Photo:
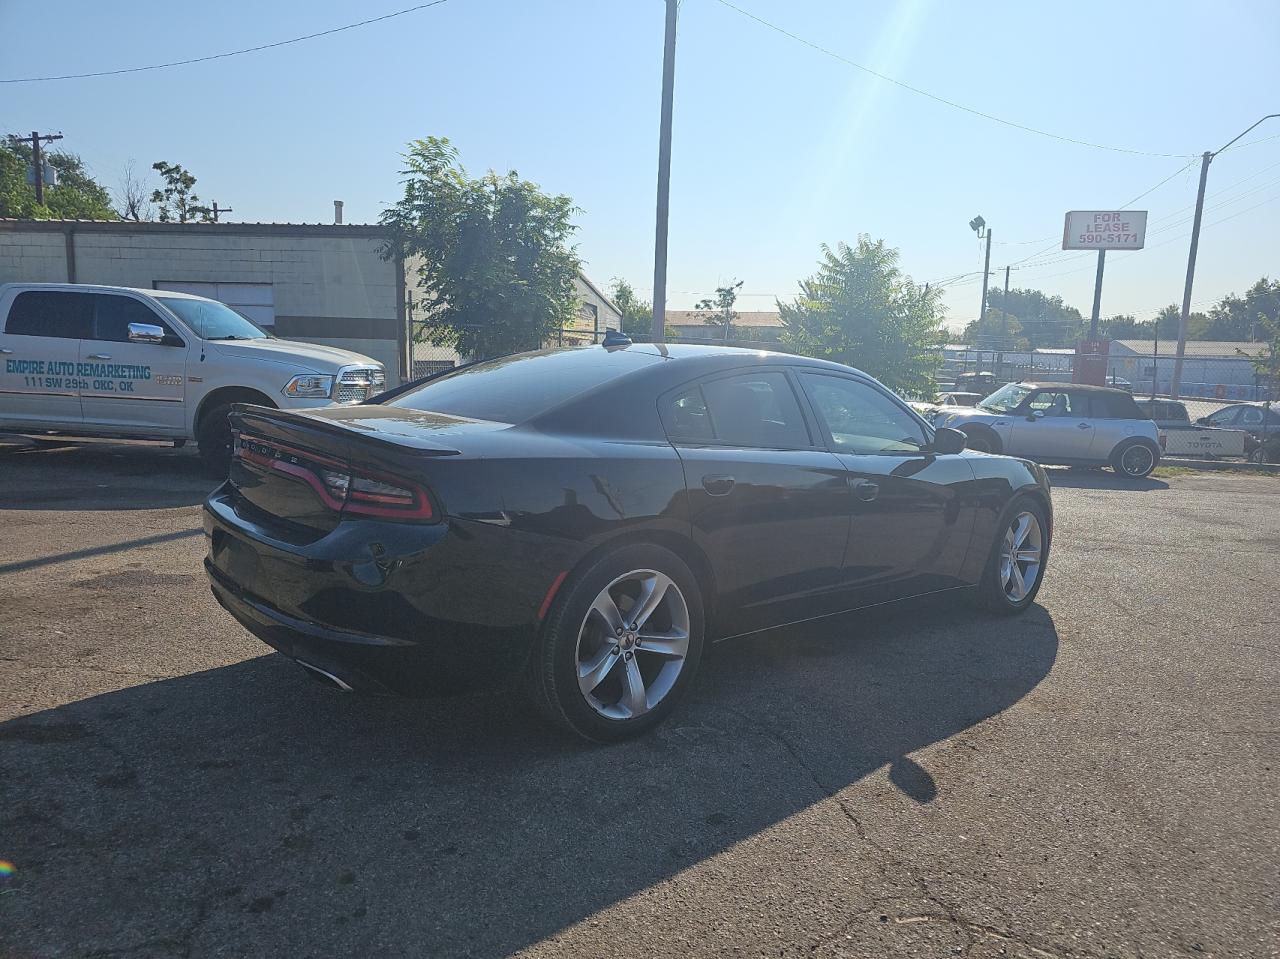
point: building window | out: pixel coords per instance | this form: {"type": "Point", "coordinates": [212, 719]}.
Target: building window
{"type": "Point", "coordinates": [256, 301]}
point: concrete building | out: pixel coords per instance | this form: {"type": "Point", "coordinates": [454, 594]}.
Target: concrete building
{"type": "Point", "coordinates": [1212, 369]}
{"type": "Point", "coordinates": [757, 326]}
{"type": "Point", "coordinates": [322, 283]}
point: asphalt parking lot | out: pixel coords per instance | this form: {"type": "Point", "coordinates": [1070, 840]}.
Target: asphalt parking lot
{"type": "Point", "coordinates": [1097, 778]}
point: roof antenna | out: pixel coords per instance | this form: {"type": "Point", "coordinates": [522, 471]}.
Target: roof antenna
{"type": "Point", "coordinates": [614, 339]}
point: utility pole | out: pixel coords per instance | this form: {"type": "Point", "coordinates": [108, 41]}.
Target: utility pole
{"type": "Point", "coordinates": [1097, 296]}
{"type": "Point", "coordinates": [37, 160]}
{"type": "Point", "coordinates": [986, 272]}
{"type": "Point", "coordinates": [1004, 312]}
{"type": "Point", "coordinates": [658, 331]}
{"type": "Point", "coordinates": [220, 209]}
{"type": "Point", "coordinates": [1175, 387]}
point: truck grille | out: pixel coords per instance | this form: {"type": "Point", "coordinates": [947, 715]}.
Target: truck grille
{"type": "Point", "coordinates": [359, 384]}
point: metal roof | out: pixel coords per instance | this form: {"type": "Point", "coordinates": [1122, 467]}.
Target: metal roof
{"type": "Point", "coordinates": [1215, 349]}
{"type": "Point", "coordinates": [756, 318]}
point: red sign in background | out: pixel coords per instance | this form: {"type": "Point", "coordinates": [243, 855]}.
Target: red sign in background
{"type": "Point", "coordinates": [1091, 362]}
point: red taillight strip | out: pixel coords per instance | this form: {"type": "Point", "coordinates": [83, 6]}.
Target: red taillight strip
{"type": "Point", "coordinates": [364, 504]}
{"type": "Point", "coordinates": [311, 479]}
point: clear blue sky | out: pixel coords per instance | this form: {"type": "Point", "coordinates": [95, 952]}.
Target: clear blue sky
{"type": "Point", "coordinates": [778, 148]}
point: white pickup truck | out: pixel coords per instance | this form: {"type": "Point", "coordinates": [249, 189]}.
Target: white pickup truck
{"type": "Point", "coordinates": [1180, 437]}
{"type": "Point", "coordinates": [148, 364]}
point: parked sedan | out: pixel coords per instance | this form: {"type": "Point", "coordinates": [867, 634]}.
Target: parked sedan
{"type": "Point", "coordinates": [1062, 423]}
{"type": "Point", "coordinates": [1260, 422]}
{"type": "Point", "coordinates": [584, 520]}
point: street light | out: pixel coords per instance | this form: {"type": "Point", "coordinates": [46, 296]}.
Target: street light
{"type": "Point", "coordinates": [1175, 386]}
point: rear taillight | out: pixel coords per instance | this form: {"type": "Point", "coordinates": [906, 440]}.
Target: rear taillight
{"type": "Point", "coordinates": [387, 497]}
{"type": "Point", "coordinates": [339, 487]}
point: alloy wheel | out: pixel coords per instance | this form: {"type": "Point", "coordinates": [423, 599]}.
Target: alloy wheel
{"type": "Point", "coordinates": [1137, 460]}
{"type": "Point", "coordinates": [632, 644]}
{"type": "Point", "coordinates": [1020, 557]}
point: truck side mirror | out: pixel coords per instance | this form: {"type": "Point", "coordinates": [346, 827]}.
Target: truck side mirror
{"type": "Point", "coordinates": [146, 333]}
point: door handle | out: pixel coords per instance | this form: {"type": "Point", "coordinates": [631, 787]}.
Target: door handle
{"type": "Point", "coordinates": [1084, 426]}
{"type": "Point", "coordinates": [98, 356]}
{"type": "Point", "coordinates": [718, 484]}
{"type": "Point", "coordinates": [866, 490]}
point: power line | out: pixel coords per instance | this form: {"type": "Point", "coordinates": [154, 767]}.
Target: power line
{"type": "Point", "coordinates": [933, 96]}
{"type": "Point", "coordinates": [1158, 185]}
{"type": "Point", "coordinates": [1054, 246]}
{"type": "Point", "coordinates": [231, 53]}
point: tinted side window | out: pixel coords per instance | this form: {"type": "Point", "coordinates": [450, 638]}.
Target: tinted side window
{"type": "Point", "coordinates": [1223, 417]}
{"type": "Point", "coordinates": [115, 313]}
{"type": "Point", "coordinates": [754, 409]}
{"type": "Point", "coordinates": [860, 418]}
{"type": "Point", "coordinates": [686, 419]}
{"type": "Point", "coordinates": [1250, 416]}
{"type": "Point", "coordinates": [51, 313]}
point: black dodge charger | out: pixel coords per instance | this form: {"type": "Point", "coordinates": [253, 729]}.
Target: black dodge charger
{"type": "Point", "coordinates": [583, 521]}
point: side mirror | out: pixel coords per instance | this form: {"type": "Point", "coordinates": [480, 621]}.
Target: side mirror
{"type": "Point", "coordinates": [146, 333]}
{"type": "Point", "coordinates": [1035, 415]}
{"type": "Point", "coordinates": [947, 440]}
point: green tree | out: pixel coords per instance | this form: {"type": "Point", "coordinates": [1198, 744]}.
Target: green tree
{"type": "Point", "coordinates": [492, 253]}
{"type": "Point", "coordinates": [1124, 326]}
{"type": "Point", "coordinates": [1167, 320]}
{"type": "Point", "coordinates": [1045, 321]}
{"type": "Point", "coordinates": [1243, 317]}
{"type": "Point", "coordinates": [860, 309]}
{"type": "Point", "coordinates": [177, 200]}
{"type": "Point", "coordinates": [77, 196]}
{"type": "Point", "coordinates": [996, 330]}
{"type": "Point", "coordinates": [718, 310]}
{"type": "Point", "coordinates": [637, 314]}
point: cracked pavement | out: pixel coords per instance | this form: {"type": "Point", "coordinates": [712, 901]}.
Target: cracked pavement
{"type": "Point", "coordinates": [1097, 778]}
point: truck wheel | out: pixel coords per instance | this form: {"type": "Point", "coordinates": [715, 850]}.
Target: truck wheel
{"type": "Point", "coordinates": [1135, 459]}
{"type": "Point", "coordinates": [214, 438]}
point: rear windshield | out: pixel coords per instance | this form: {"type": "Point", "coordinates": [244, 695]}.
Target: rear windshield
{"type": "Point", "coordinates": [514, 389]}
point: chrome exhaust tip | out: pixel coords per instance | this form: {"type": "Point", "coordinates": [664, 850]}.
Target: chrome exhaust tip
{"type": "Point", "coordinates": [324, 677]}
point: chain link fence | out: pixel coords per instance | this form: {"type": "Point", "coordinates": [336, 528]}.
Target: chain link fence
{"type": "Point", "coordinates": [1224, 386]}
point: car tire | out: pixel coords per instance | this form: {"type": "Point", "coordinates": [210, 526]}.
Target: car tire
{"type": "Point", "coordinates": [1000, 591]}
{"type": "Point", "coordinates": [213, 436]}
{"type": "Point", "coordinates": [981, 441]}
{"type": "Point", "coordinates": [583, 675]}
{"type": "Point", "coordinates": [1135, 459]}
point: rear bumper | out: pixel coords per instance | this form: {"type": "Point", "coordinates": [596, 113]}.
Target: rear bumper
{"type": "Point", "coordinates": [362, 664]}
{"type": "Point", "coordinates": [394, 625]}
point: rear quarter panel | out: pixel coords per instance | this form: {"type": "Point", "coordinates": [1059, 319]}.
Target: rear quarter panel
{"type": "Point", "coordinates": [529, 506]}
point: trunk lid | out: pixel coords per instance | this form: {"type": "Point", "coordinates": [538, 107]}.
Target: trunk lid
{"type": "Point", "coordinates": [294, 469]}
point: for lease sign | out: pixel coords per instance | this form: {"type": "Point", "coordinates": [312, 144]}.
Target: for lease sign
{"type": "Point", "coordinates": [1105, 230]}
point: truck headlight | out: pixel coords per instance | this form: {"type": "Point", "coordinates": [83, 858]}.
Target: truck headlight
{"type": "Point", "coordinates": [309, 384]}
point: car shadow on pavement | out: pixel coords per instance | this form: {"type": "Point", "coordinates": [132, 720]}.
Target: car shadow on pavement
{"type": "Point", "coordinates": [1062, 478]}
{"type": "Point", "coordinates": [243, 810]}
{"type": "Point", "coordinates": [56, 474]}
